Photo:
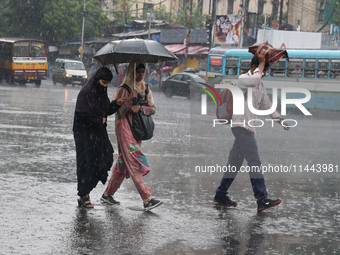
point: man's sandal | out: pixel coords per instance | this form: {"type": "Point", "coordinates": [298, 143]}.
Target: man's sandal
{"type": "Point", "coordinates": [85, 202]}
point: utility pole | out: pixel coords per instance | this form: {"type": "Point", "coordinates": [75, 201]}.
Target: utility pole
{"type": "Point", "coordinates": [126, 10]}
{"type": "Point", "coordinates": [150, 17]}
{"type": "Point", "coordinates": [149, 24]}
{"type": "Point", "coordinates": [213, 27]}
{"type": "Point", "coordinates": [188, 36]}
{"type": "Point", "coordinates": [100, 30]}
{"type": "Point", "coordinates": [82, 31]}
{"type": "Point", "coordinates": [240, 43]}
{"type": "Point", "coordinates": [281, 11]}
{"type": "Point", "coordinates": [264, 27]}
{"type": "Point", "coordinates": [287, 12]}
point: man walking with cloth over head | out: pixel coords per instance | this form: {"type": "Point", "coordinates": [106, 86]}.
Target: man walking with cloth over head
{"type": "Point", "coordinates": [245, 146]}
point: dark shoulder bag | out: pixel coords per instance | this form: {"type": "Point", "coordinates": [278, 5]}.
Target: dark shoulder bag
{"type": "Point", "coordinates": [142, 126]}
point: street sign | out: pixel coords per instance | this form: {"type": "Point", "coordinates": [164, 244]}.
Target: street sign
{"type": "Point", "coordinates": [81, 51]}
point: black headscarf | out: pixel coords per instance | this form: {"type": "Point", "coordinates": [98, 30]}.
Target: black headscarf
{"type": "Point", "coordinates": [93, 98]}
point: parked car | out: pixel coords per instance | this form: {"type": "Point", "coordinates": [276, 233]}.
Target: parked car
{"type": "Point", "coordinates": [180, 85]}
{"type": "Point", "coordinates": [68, 71]}
{"type": "Point", "coordinates": [191, 70]}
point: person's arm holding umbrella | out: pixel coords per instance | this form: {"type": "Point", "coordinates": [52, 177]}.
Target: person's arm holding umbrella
{"type": "Point", "coordinates": [127, 105]}
{"type": "Point", "coordinates": [146, 110]}
{"type": "Point", "coordinates": [151, 108]}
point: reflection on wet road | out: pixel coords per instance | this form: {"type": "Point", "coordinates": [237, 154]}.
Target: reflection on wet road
{"type": "Point", "coordinates": [38, 184]}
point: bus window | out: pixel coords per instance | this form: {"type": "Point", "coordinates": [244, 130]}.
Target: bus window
{"type": "Point", "coordinates": [278, 68]}
{"type": "Point", "coordinates": [217, 52]}
{"type": "Point", "coordinates": [215, 64]}
{"type": "Point", "coordinates": [21, 49]}
{"type": "Point", "coordinates": [245, 66]}
{"type": "Point", "coordinates": [335, 68]}
{"type": "Point", "coordinates": [38, 49]}
{"type": "Point", "coordinates": [310, 68]}
{"type": "Point", "coordinates": [323, 68]}
{"type": "Point", "coordinates": [295, 67]}
{"type": "Point", "coordinates": [231, 66]}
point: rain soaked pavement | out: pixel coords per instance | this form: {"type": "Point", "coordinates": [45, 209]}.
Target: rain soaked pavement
{"type": "Point", "coordinates": [38, 184]}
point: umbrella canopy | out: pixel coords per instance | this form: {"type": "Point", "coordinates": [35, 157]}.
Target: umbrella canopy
{"type": "Point", "coordinates": [167, 68]}
{"type": "Point", "coordinates": [125, 51]}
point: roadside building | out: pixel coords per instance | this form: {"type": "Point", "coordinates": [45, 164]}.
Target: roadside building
{"type": "Point", "coordinates": [309, 15]}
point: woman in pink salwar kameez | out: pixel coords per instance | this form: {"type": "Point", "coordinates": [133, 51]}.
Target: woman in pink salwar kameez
{"type": "Point", "coordinates": [131, 161]}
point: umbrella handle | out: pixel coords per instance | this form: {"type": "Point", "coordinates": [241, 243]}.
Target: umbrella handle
{"type": "Point", "coordinates": [116, 68]}
{"type": "Point", "coordinates": [134, 76]}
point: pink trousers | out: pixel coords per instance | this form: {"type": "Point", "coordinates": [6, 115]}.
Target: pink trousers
{"type": "Point", "coordinates": [137, 177]}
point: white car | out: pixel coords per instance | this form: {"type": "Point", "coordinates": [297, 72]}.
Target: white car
{"type": "Point", "coordinates": [68, 71]}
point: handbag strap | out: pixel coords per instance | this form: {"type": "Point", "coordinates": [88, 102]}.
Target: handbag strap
{"type": "Point", "coordinates": [129, 90]}
{"type": "Point", "coordinates": [126, 87]}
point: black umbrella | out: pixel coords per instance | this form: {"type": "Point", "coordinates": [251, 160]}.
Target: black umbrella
{"type": "Point", "coordinates": [125, 51]}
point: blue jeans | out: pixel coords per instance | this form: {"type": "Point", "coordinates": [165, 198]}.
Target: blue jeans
{"type": "Point", "coordinates": [245, 147]}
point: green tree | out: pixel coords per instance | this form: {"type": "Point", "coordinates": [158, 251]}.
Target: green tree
{"type": "Point", "coordinates": [197, 19]}
{"type": "Point", "coordinates": [271, 18]}
{"type": "Point", "coordinates": [336, 14]}
{"type": "Point", "coordinates": [21, 18]}
{"type": "Point", "coordinates": [54, 21]}
{"type": "Point", "coordinates": [123, 14]}
{"type": "Point", "coordinates": [95, 18]}
{"type": "Point", "coordinates": [62, 21]}
{"type": "Point", "coordinates": [161, 13]}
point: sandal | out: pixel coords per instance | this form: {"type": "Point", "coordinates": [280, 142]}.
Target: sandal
{"type": "Point", "coordinates": [85, 202]}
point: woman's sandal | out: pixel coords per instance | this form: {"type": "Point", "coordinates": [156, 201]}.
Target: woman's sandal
{"type": "Point", "coordinates": [85, 202]}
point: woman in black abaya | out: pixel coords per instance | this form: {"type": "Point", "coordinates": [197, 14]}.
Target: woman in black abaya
{"type": "Point", "coordinates": [93, 147]}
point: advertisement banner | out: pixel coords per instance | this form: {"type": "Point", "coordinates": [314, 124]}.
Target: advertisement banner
{"type": "Point", "coordinates": [227, 29]}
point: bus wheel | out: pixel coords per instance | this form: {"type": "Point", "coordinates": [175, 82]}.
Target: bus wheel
{"type": "Point", "coordinates": [64, 83]}
{"type": "Point", "coordinates": [38, 83]}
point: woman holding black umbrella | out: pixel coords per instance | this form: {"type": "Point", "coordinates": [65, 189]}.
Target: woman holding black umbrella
{"type": "Point", "coordinates": [93, 148]}
{"type": "Point", "coordinates": [131, 161]}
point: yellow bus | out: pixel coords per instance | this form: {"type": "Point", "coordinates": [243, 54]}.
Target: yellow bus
{"type": "Point", "coordinates": [23, 60]}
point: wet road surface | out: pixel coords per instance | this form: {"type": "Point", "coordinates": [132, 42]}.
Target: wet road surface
{"type": "Point", "coordinates": [38, 184]}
